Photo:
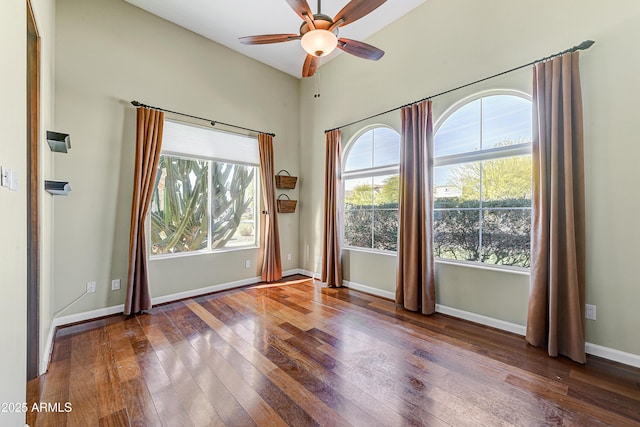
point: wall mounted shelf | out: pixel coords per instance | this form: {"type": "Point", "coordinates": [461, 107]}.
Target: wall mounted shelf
{"type": "Point", "coordinates": [57, 188]}
{"type": "Point", "coordinates": [59, 142]}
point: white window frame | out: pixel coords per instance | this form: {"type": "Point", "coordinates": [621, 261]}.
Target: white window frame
{"type": "Point", "coordinates": [365, 173]}
{"type": "Point", "coordinates": [522, 149]}
{"type": "Point", "coordinates": [257, 198]}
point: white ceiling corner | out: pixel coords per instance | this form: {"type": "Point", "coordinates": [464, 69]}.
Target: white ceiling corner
{"type": "Point", "coordinates": [224, 21]}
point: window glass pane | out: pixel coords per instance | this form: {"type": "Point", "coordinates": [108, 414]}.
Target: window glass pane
{"type": "Point", "coordinates": [371, 202]}
{"type": "Point", "coordinates": [179, 206]}
{"type": "Point", "coordinates": [358, 193]}
{"type": "Point", "coordinates": [506, 182]}
{"type": "Point", "coordinates": [386, 191]}
{"type": "Point", "coordinates": [232, 205]}
{"type": "Point", "coordinates": [506, 235]}
{"type": "Point", "coordinates": [386, 147]}
{"type": "Point", "coordinates": [457, 186]}
{"type": "Point", "coordinates": [482, 209]}
{"type": "Point", "coordinates": [357, 228]}
{"type": "Point", "coordinates": [360, 155]}
{"type": "Point", "coordinates": [506, 120]}
{"type": "Point", "coordinates": [456, 234]}
{"type": "Point", "coordinates": [385, 229]}
{"type": "Point", "coordinates": [460, 133]}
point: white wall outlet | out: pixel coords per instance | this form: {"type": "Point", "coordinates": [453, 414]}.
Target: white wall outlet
{"type": "Point", "coordinates": [91, 287]}
{"type": "Point", "coordinates": [247, 263]}
{"type": "Point", "coordinates": [288, 257]}
{"type": "Point", "coordinates": [590, 311]}
{"type": "Point", "coordinates": [115, 284]}
{"type": "Point", "coordinates": [5, 177]}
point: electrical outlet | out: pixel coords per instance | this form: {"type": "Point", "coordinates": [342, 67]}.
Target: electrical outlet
{"type": "Point", "coordinates": [115, 284]}
{"type": "Point", "coordinates": [590, 311]}
{"type": "Point", "coordinates": [247, 263]}
{"type": "Point", "coordinates": [289, 257]}
{"type": "Point", "coordinates": [91, 287]}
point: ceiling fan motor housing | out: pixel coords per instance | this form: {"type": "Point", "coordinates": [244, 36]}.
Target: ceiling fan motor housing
{"type": "Point", "coordinates": [321, 21]}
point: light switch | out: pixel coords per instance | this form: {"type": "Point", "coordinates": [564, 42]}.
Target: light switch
{"type": "Point", "coordinates": [5, 179]}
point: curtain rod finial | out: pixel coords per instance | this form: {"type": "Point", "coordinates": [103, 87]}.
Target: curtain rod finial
{"type": "Point", "coordinates": [585, 45]}
{"type": "Point", "coordinates": [135, 103]}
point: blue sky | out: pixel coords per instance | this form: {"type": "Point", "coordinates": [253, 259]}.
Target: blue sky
{"type": "Point", "coordinates": [480, 124]}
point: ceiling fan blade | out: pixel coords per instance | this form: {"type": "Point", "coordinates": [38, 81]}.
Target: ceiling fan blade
{"type": "Point", "coordinates": [310, 66]}
{"type": "Point", "coordinates": [356, 9]}
{"type": "Point", "coordinates": [360, 49]}
{"type": "Point", "coordinates": [300, 7]}
{"type": "Point", "coordinates": [269, 38]}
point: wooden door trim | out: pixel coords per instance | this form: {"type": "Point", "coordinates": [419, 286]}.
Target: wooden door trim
{"type": "Point", "coordinates": [33, 194]}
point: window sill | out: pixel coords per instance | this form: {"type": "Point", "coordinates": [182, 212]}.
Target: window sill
{"type": "Point", "coordinates": [200, 253]}
{"type": "Point", "coordinates": [471, 264]}
{"type": "Point", "coordinates": [468, 264]}
{"type": "Point", "coordinates": [371, 251]}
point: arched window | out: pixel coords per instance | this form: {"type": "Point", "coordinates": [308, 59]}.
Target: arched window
{"type": "Point", "coordinates": [483, 181]}
{"type": "Point", "coordinates": [370, 177]}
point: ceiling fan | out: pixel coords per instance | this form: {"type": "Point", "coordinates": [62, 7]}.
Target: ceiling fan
{"type": "Point", "coordinates": [319, 33]}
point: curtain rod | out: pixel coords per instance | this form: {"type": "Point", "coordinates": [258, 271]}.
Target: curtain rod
{"type": "Point", "coordinates": [582, 46]}
{"type": "Point", "coordinates": [212, 122]}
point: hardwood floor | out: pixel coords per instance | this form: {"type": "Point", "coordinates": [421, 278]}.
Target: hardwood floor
{"type": "Point", "coordinates": [297, 354]}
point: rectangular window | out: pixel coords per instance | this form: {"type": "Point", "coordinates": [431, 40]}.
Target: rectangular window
{"type": "Point", "coordinates": [206, 192]}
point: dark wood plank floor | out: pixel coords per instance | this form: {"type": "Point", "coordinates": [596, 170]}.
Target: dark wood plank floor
{"type": "Point", "coordinates": [297, 354]}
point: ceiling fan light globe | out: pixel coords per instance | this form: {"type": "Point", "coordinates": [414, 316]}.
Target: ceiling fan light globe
{"type": "Point", "coordinates": [319, 42]}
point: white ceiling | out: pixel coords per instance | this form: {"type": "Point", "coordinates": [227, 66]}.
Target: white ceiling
{"type": "Point", "coordinates": [224, 21]}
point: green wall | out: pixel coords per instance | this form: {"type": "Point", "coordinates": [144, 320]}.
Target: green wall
{"type": "Point", "coordinates": [108, 53]}
{"type": "Point", "coordinates": [444, 44]}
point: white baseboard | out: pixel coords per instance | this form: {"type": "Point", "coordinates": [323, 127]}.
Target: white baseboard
{"type": "Point", "coordinates": [461, 314]}
{"type": "Point", "coordinates": [108, 311]}
{"type": "Point", "coordinates": [203, 291]}
{"type": "Point", "coordinates": [483, 320]}
{"type": "Point", "coordinates": [370, 290]}
{"type": "Point", "coordinates": [613, 354]}
{"type": "Point", "coordinates": [593, 349]}
{"type": "Point", "coordinates": [46, 354]}
{"type": "Point", "coordinates": [67, 320]}
{"type": "Point", "coordinates": [313, 275]}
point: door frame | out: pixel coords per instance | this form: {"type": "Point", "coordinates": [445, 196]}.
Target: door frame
{"type": "Point", "coordinates": [33, 194]}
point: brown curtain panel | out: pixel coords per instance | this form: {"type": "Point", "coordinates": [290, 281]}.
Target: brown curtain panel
{"type": "Point", "coordinates": [415, 281]}
{"type": "Point", "coordinates": [148, 143]}
{"type": "Point", "coordinates": [557, 292]}
{"type": "Point", "coordinates": [271, 262]}
{"type": "Point", "coordinates": [331, 244]}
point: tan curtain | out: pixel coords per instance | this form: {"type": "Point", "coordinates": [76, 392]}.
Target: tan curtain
{"type": "Point", "coordinates": [331, 244]}
{"type": "Point", "coordinates": [271, 262]}
{"type": "Point", "coordinates": [557, 292]}
{"type": "Point", "coordinates": [415, 281]}
{"type": "Point", "coordinates": [148, 143]}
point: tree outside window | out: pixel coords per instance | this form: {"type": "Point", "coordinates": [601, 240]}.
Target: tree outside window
{"type": "Point", "coordinates": [200, 203]}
